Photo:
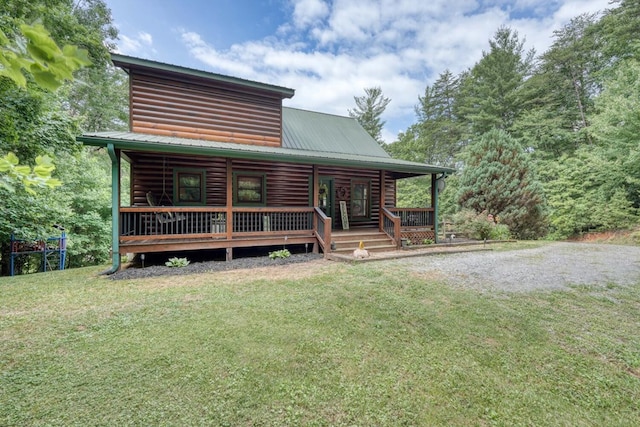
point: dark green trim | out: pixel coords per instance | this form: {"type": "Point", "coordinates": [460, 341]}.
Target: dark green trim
{"type": "Point", "coordinates": [127, 62]}
{"type": "Point", "coordinates": [163, 147]}
{"type": "Point", "coordinates": [203, 186]}
{"type": "Point", "coordinates": [262, 175]}
{"type": "Point", "coordinates": [115, 210]}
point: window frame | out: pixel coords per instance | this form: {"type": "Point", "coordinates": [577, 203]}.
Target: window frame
{"type": "Point", "coordinates": [366, 214]}
{"type": "Point", "coordinates": [262, 176]}
{"type": "Point", "coordinates": [202, 174]}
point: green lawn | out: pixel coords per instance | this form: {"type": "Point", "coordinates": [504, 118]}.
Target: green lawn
{"type": "Point", "coordinates": [335, 344]}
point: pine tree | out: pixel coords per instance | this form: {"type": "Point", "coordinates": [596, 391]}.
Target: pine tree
{"type": "Point", "coordinates": [491, 91]}
{"type": "Point", "coordinates": [368, 111]}
{"type": "Point", "coordinates": [497, 179]}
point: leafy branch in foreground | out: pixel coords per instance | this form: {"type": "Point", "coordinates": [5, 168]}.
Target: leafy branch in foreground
{"type": "Point", "coordinates": [11, 173]}
{"type": "Point", "coordinates": [49, 65]}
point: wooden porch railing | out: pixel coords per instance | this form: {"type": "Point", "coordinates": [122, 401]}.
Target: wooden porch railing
{"type": "Point", "coordinates": [142, 223]}
{"type": "Point", "coordinates": [391, 225]}
{"type": "Point", "coordinates": [322, 225]}
{"type": "Point", "coordinates": [414, 217]}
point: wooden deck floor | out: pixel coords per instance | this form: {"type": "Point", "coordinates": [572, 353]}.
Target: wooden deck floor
{"type": "Point", "coordinates": [170, 245]}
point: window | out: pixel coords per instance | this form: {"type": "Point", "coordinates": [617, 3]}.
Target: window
{"type": "Point", "coordinates": [249, 189]}
{"type": "Point", "coordinates": [189, 187]}
{"type": "Point", "coordinates": [360, 199]}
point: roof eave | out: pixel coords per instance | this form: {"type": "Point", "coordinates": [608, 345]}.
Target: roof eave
{"type": "Point", "coordinates": [126, 62]}
{"type": "Point", "coordinates": [149, 146]}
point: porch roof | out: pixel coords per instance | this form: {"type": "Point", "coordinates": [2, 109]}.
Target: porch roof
{"type": "Point", "coordinates": [167, 144]}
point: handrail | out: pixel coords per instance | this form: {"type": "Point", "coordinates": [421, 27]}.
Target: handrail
{"type": "Point", "coordinates": [391, 225]}
{"type": "Point", "coordinates": [322, 227]}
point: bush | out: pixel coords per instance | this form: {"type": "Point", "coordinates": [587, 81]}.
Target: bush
{"type": "Point", "coordinates": [282, 253]}
{"type": "Point", "coordinates": [177, 262]}
{"type": "Point", "coordinates": [480, 226]}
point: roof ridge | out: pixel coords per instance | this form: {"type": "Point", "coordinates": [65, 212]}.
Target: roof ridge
{"type": "Point", "coordinates": [318, 112]}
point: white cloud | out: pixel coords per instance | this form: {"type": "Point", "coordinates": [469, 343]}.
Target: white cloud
{"type": "Point", "coordinates": [136, 44]}
{"type": "Point", "coordinates": [306, 12]}
{"type": "Point", "coordinates": [330, 51]}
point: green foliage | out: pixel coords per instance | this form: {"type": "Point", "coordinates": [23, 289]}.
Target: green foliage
{"type": "Point", "coordinates": [49, 65]}
{"type": "Point", "coordinates": [177, 262]}
{"type": "Point", "coordinates": [492, 90]}
{"type": "Point", "coordinates": [368, 111]}
{"type": "Point", "coordinates": [437, 137]}
{"type": "Point", "coordinates": [480, 226]}
{"type": "Point", "coordinates": [36, 122]}
{"type": "Point", "coordinates": [86, 195]}
{"type": "Point", "coordinates": [413, 192]}
{"type": "Point", "coordinates": [427, 242]}
{"type": "Point", "coordinates": [11, 172]}
{"type": "Point", "coordinates": [559, 99]}
{"type": "Point", "coordinates": [497, 179]}
{"type": "Point", "coordinates": [616, 126]}
{"type": "Point", "coordinates": [282, 253]}
{"type": "Point", "coordinates": [448, 199]}
{"type": "Point", "coordinates": [585, 192]}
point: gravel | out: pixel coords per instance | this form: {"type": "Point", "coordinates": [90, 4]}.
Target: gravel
{"type": "Point", "coordinates": [210, 266]}
{"type": "Point", "coordinates": [555, 266]}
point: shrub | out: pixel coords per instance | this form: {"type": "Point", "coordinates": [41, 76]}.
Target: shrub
{"type": "Point", "coordinates": [480, 226]}
{"type": "Point", "coordinates": [177, 262]}
{"type": "Point", "coordinates": [282, 253]}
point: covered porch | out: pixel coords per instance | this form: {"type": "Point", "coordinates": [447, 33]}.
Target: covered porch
{"type": "Point", "coordinates": [165, 229]}
{"type": "Point", "coordinates": [185, 195]}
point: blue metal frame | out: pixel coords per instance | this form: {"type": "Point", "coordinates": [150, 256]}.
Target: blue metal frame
{"type": "Point", "coordinates": [45, 247]}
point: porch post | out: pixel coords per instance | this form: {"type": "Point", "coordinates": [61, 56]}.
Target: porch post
{"type": "Point", "coordinates": [383, 197]}
{"type": "Point", "coordinates": [316, 187]}
{"type": "Point", "coordinates": [434, 203]}
{"type": "Point", "coordinates": [229, 208]}
{"type": "Point", "coordinates": [115, 211]}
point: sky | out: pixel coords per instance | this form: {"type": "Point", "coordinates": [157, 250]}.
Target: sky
{"type": "Point", "coordinates": [331, 50]}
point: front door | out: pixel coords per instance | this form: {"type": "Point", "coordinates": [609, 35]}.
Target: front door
{"type": "Point", "coordinates": [326, 197]}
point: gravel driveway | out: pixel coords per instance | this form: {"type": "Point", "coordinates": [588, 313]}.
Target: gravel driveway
{"type": "Point", "coordinates": [552, 266]}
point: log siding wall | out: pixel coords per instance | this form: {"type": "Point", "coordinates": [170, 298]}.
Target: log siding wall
{"type": "Point", "coordinates": [161, 106]}
{"type": "Point", "coordinates": [287, 183]}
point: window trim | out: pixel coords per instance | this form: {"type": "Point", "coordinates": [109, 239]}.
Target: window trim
{"type": "Point", "coordinates": [263, 190]}
{"type": "Point", "coordinates": [203, 186]}
{"type": "Point", "coordinates": [366, 216]}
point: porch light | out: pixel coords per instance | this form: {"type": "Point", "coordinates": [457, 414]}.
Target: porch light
{"type": "Point", "coordinates": [441, 184]}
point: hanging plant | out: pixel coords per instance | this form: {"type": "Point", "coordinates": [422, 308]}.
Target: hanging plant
{"type": "Point", "coordinates": [323, 190]}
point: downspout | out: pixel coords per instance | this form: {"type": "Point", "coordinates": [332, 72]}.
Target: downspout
{"type": "Point", "coordinates": [115, 217]}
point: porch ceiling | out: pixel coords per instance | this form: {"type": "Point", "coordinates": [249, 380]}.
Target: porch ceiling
{"type": "Point", "coordinates": [165, 144]}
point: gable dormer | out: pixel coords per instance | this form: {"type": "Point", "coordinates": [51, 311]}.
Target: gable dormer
{"type": "Point", "coordinates": [169, 100]}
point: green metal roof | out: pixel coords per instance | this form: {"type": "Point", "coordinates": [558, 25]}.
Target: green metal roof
{"type": "Point", "coordinates": [309, 130]}
{"type": "Point", "coordinates": [127, 62]}
{"type": "Point", "coordinates": [167, 144]}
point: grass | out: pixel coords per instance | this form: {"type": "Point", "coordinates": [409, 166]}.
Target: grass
{"type": "Point", "coordinates": [334, 344]}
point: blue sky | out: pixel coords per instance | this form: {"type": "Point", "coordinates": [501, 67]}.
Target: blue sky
{"type": "Point", "coordinates": [329, 51]}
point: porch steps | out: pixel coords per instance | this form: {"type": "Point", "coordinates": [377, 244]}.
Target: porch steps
{"type": "Point", "coordinates": [374, 241]}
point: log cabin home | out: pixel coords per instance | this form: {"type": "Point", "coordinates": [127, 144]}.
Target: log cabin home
{"type": "Point", "coordinates": [217, 162]}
